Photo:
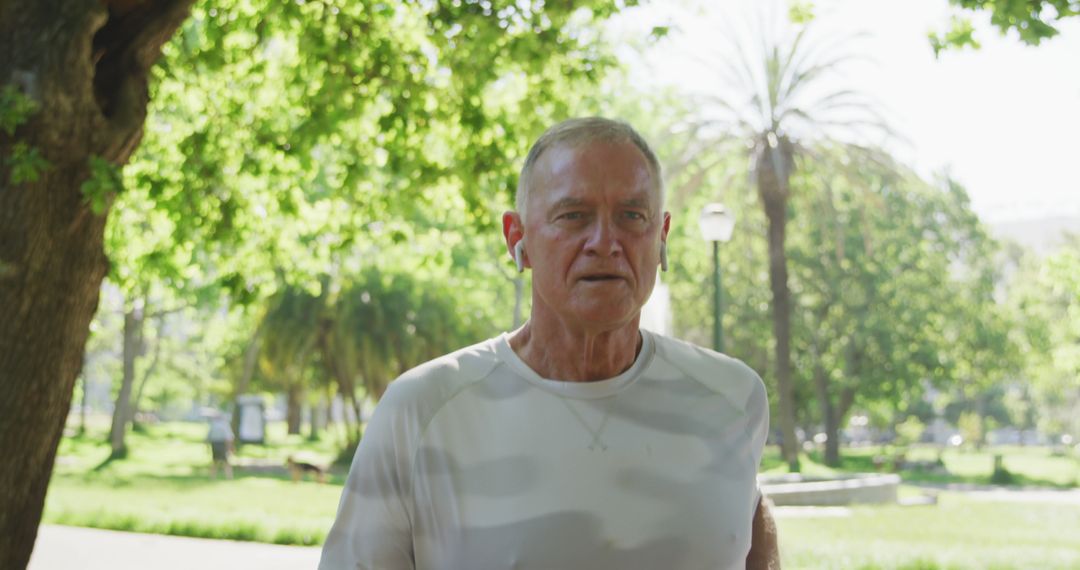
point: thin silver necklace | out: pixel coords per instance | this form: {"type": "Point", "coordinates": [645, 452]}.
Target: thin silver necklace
{"type": "Point", "coordinates": [596, 444]}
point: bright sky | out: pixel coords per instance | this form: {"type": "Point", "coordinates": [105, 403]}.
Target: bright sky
{"type": "Point", "coordinates": [1004, 120]}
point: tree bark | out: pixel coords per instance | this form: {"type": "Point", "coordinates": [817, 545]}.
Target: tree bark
{"type": "Point", "coordinates": [85, 64]}
{"type": "Point", "coordinates": [980, 410]}
{"type": "Point", "coordinates": [136, 404]}
{"type": "Point", "coordinates": [84, 405]}
{"type": "Point", "coordinates": [315, 420]}
{"type": "Point", "coordinates": [772, 168]}
{"type": "Point", "coordinates": [328, 400]}
{"type": "Point", "coordinates": [847, 398]}
{"type": "Point", "coordinates": [340, 369]}
{"type": "Point", "coordinates": [132, 348]}
{"type": "Point", "coordinates": [828, 414]}
{"type": "Point", "coordinates": [293, 408]}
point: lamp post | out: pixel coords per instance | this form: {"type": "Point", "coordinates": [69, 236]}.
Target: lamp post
{"type": "Point", "coordinates": [716, 226]}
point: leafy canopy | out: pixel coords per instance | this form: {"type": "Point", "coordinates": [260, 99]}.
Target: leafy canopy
{"type": "Point", "coordinates": [1032, 20]}
{"type": "Point", "coordinates": [285, 138]}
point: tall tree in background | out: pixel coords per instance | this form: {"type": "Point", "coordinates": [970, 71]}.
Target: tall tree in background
{"type": "Point", "coordinates": [981, 333]}
{"type": "Point", "coordinates": [779, 109]}
{"type": "Point", "coordinates": [134, 345]}
{"type": "Point", "coordinates": [875, 266]}
{"type": "Point", "coordinates": [364, 86]}
{"type": "Point", "coordinates": [1045, 297]}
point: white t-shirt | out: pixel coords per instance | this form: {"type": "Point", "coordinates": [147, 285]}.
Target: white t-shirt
{"type": "Point", "coordinates": [474, 462]}
{"type": "Point", "coordinates": [220, 432]}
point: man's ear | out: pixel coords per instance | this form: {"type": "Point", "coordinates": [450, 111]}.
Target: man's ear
{"type": "Point", "coordinates": [513, 232]}
{"type": "Point", "coordinates": [667, 226]}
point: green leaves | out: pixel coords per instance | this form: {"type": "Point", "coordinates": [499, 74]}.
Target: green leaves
{"type": "Point", "coordinates": [309, 152]}
{"type": "Point", "coordinates": [26, 163]}
{"type": "Point", "coordinates": [961, 34]}
{"type": "Point", "coordinates": [1032, 20]}
{"type": "Point", "coordinates": [366, 331]}
{"type": "Point", "coordinates": [279, 135]}
{"type": "Point", "coordinates": [15, 109]}
{"type": "Point", "coordinates": [103, 184]}
{"type": "Point", "coordinates": [1044, 294]}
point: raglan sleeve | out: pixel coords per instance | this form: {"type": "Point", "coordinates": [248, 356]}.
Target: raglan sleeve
{"type": "Point", "coordinates": [373, 527]}
{"type": "Point", "coordinates": [757, 408]}
{"type": "Point", "coordinates": [759, 414]}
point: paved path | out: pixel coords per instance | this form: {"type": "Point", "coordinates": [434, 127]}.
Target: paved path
{"type": "Point", "coordinates": [1015, 494]}
{"type": "Point", "coordinates": [977, 492]}
{"type": "Point", "coordinates": [71, 548]}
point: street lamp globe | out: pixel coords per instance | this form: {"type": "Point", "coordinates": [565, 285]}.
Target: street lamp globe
{"type": "Point", "coordinates": [717, 224]}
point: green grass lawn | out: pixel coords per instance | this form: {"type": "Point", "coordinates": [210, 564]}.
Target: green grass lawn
{"type": "Point", "coordinates": [957, 533]}
{"type": "Point", "coordinates": [164, 487]}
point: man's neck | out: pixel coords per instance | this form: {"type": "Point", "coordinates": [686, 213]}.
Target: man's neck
{"type": "Point", "coordinates": [558, 352]}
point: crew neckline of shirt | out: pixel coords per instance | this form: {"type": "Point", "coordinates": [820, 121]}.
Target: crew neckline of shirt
{"type": "Point", "coordinates": [580, 390]}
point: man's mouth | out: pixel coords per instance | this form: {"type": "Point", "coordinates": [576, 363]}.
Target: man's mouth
{"type": "Point", "coordinates": [600, 277]}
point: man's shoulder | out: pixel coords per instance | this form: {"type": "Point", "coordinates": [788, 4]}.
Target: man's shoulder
{"type": "Point", "coordinates": [439, 379]}
{"type": "Point", "coordinates": [718, 372]}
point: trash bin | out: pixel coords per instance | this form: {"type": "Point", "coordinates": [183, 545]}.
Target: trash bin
{"type": "Point", "coordinates": [252, 424]}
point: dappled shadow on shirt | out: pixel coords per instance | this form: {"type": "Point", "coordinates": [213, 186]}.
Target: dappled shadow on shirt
{"type": "Point", "coordinates": [566, 539]}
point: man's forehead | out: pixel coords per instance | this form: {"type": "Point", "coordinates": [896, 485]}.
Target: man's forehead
{"type": "Point", "coordinates": [641, 201]}
{"type": "Point", "coordinates": [566, 173]}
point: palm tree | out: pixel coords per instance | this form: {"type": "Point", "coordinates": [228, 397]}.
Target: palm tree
{"type": "Point", "coordinates": [288, 339]}
{"type": "Point", "coordinates": [382, 324]}
{"type": "Point", "coordinates": [777, 106]}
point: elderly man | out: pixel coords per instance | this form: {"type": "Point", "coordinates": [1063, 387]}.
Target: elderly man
{"type": "Point", "coordinates": [579, 440]}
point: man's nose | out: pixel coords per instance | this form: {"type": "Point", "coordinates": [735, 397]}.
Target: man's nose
{"type": "Point", "coordinates": [603, 238]}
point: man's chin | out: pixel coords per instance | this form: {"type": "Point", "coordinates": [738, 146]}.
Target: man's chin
{"type": "Point", "coordinates": [608, 317]}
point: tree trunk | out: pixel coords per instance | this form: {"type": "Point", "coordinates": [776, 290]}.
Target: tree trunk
{"type": "Point", "coordinates": [328, 400]}
{"type": "Point", "coordinates": [314, 421]}
{"type": "Point", "coordinates": [772, 190]}
{"type": "Point", "coordinates": [132, 347]}
{"type": "Point", "coordinates": [980, 411]}
{"type": "Point", "coordinates": [828, 414]}
{"type": "Point", "coordinates": [83, 406]}
{"type": "Point", "coordinates": [344, 377]}
{"type": "Point", "coordinates": [85, 67]}
{"type": "Point", "coordinates": [839, 413]}
{"type": "Point", "coordinates": [292, 410]}
{"type": "Point", "coordinates": [296, 391]}
{"type": "Point", "coordinates": [136, 405]}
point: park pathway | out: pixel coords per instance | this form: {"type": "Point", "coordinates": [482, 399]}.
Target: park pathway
{"type": "Point", "coordinates": [1009, 494]}
{"type": "Point", "coordinates": [73, 548]}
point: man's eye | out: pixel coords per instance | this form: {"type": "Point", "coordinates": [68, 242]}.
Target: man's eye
{"type": "Point", "coordinates": [635, 216]}
{"type": "Point", "coordinates": [572, 216]}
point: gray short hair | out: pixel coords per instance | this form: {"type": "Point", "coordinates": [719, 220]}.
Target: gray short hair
{"type": "Point", "coordinates": [580, 131]}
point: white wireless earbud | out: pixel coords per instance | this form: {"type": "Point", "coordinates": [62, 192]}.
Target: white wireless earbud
{"type": "Point", "coordinates": [663, 256]}
{"type": "Point", "coordinates": [519, 255]}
